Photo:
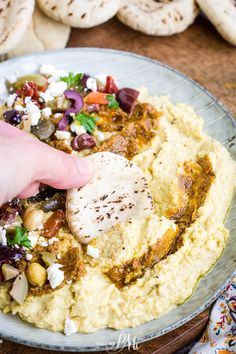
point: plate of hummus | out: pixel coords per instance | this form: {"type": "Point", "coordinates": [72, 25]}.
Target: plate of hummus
{"type": "Point", "coordinates": [149, 242]}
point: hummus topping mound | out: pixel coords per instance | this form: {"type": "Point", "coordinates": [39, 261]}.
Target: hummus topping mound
{"type": "Point", "coordinates": [71, 264]}
{"type": "Point", "coordinates": [132, 131]}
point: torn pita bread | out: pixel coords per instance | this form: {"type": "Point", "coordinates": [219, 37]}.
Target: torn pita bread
{"type": "Point", "coordinates": [80, 13]}
{"type": "Point", "coordinates": [160, 18]}
{"type": "Point", "coordinates": [222, 14]}
{"type": "Point", "coordinates": [117, 192]}
{"type": "Point", "coordinates": [15, 16]}
{"type": "Point", "coordinates": [43, 33]}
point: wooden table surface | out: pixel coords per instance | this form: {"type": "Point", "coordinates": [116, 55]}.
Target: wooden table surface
{"type": "Point", "coordinates": [198, 52]}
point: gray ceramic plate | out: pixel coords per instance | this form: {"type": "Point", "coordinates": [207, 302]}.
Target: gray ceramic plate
{"type": "Point", "coordinates": [135, 71]}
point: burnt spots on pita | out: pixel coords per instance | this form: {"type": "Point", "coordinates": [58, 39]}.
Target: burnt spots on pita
{"type": "Point", "coordinates": [104, 197]}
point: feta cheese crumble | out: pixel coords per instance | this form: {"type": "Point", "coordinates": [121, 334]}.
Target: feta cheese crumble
{"type": "Point", "coordinates": [11, 99]}
{"type": "Point", "coordinates": [91, 84]}
{"type": "Point", "coordinates": [93, 252]}
{"type": "Point", "coordinates": [62, 135]}
{"type": "Point", "coordinates": [100, 136]}
{"type": "Point", "coordinates": [19, 108]}
{"type": "Point", "coordinates": [55, 275]}
{"type": "Point", "coordinates": [70, 327]}
{"type": "Point", "coordinates": [57, 88]}
{"type": "Point", "coordinates": [77, 128]}
{"type": "Point", "coordinates": [47, 97]}
{"type": "Point", "coordinates": [28, 99]}
{"type": "Point", "coordinates": [3, 239]}
{"type": "Point", "coordinates": [52, 240]}
{"type": "Point", "coordinates": [32, 110]}
{"type": "Point", "coordinates": [47, 111]}
{"type": "Point", "coordinates": [102, 78]}
{"type": "Point", "coordinates": [28, 257]}
{"type": "Point", "coordinates": [33, 237]}
{"type": "Point", "coordinates": [42, 242]}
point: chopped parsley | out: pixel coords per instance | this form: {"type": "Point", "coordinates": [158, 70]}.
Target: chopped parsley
{"type": "Point", "coordinates": [72, 80]}
{"type": "Point", "coordinates": [20, 238]}
{"type": "Point", "coordinates": [113, 103]}
{"type": "Point", "coordinates": [87, 121]}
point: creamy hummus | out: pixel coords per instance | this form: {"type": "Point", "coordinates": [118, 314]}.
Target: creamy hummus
{"type": "Point", "coordinates": [96, 301]}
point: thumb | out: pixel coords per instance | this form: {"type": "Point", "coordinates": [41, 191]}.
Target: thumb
{"type": "Point", "coordinates": [63, 171]}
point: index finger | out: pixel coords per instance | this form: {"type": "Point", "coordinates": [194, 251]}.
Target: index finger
{"type": "Point", "coordinates": [9, 130]}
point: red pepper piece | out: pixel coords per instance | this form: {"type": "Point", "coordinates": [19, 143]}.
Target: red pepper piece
{"type": "Point", "coordinates": [111, 86]}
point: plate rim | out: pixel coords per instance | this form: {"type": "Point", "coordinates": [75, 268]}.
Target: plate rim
{"type": "Point", "coordinates": [209, 301]}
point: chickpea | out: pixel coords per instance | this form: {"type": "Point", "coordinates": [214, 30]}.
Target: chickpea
{"type": "Point", "coordinates": [33, 218]}
{"type": "Point", "coordinates": [36, 274]}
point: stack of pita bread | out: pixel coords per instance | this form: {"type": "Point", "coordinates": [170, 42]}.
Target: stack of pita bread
{"type": "Point", "coordinates": [28, 27]}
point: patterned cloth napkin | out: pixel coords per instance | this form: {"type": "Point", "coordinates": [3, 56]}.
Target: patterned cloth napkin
{"type": "Point", "coordinates": [220, 334]}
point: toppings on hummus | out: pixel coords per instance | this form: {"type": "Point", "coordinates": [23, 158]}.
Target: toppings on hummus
{"type": "Point", "coordinates": [131, 244]}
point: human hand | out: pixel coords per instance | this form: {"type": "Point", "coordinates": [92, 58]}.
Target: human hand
{"type": "Point", "coordinates": [25, 162]}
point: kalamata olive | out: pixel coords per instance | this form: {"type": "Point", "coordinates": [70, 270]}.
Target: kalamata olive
{"type": "Point", "coordinates": [8, 213]}
{"type": "Point", "coordinates": [54, 203]}
{"type": "Point", "coordinates": [126, 98]}
{"type": "Point", "coordinates": [39, 80]}
{"type": "Point", "coordinates": [82, 142]}
{"type": "Point", "coordinates": [43, 130]}
{"type": "Point", "coordinates": [13, 116]}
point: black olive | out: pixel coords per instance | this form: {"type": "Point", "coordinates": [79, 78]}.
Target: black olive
{"type": "Point", "coordinates": [54, 203]}
{"type": "Point", "coordinates": [13, 117]}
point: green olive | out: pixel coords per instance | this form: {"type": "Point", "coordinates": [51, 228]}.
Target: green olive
{"type": "Point", "coordinates": [39, 80]}
{"type": "Point", "coordinates": [48, 258]}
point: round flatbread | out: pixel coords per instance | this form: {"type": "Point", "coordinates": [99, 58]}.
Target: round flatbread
{"type": "Point", "coordinates": [117, 192]}
{"type": "Point", "coordinates": [43, 33]}
{"type": "Point", "coordinates": [15, 16]}
{"type": "Point", "coordinates": [222, 14]}
{"type": "Point", "coordinates": [80, 13]}
{"type": "Point", "coordinates": [160, 18]}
